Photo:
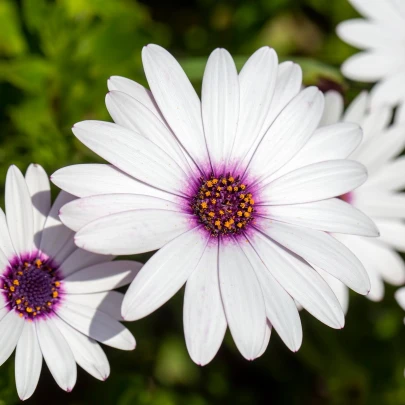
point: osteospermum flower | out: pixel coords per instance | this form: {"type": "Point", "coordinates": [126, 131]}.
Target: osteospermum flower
{"type": "Point", "coordinates": [380, 36]}
{"type": "Point", "coordinates": [237, 191]}
{"type": "Point", "coordinates": [55, 299]}
{"type": "Point", "coordinates": [379, 197]}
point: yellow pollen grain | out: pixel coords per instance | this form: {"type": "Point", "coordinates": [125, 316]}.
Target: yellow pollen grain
{"type": "Point", "coordinates": [223, 181]}
{"type": "Point", "coordinates": [250, 209]}
{"type": "Point", "coordinates": [231, 179]}
{"type": "Point", "coordinates": [35, 314]}
{"type": "Point", "coordinates": [239, 213]}
{"type": "Point", "coordinates": [49, 303]}
{"type": "Point", "coordinates": [29, 309]}
{"type": "Point", "coordinates": [214, 181]}
{"type": "Point", "coordinates": [242, 186]}
{"type": "Point", "coordinates": [26, 264]}
{"type": "Point", "coordinates": [252, 201]}
{"type": "Point", "coordinates": [221, 212]}
{"type": "Point", "coordinates": [217, 223]}
{"type": "Point", "coordinates": [55, 294]}
{"type": "Point", "coordinates": [213, 201]}
{"type": "Point", "coordinates": [231, 221]}
{"type": "Point", "coordinates": [38, 308]}
{"type": "Point", "coordinates": [20, 273]}
{"type": "Point", "coordinates": [12, 288]}
{"type": "Point", "coordinates": [227, 224]}
{"type": "Point", "coordinates": [211, 214]}
{"type": "Point", "coordinates": [38, 263]}
{"type": "Point", "coordinates": [18, 302]}
{"type": "Point", "coordinates": [229, 188]}
{"type": "Point", "coordinates": [204, 205]}
{"type": "Point", "coordinates": [235, 188]}
{"type": "Point", "coordinates": [242, 205]}
{"type": "Point", "coordinates": [209, 183]}
{"type": "Point", "coordinates": [239, 225]}
{"type": "Point", "coordinates": [57, 283]}
{"type": "Point", "coordinates": [20, 315]}
{"type": "Point", "coordinates": [242, 196]}
{"type": "Point", "coordinates": [246, 199]}
{"type": "Point", "coordinates": [247, 214]}
{"type": "Point", "coordinates": [16, 282]}
{"type": "Point", "coordinates": [208, 193]}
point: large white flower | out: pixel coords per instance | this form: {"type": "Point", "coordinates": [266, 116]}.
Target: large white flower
{"type": "Point", "coordinates": [55, 299]}
{"type": "Point", "coordinates": [381, 36]}
{"type": "Point", "coordinates": [379, 197]}
{"type": "Point", "coordinates": [237, 191]}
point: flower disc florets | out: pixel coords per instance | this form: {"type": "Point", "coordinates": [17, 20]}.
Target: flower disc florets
{"type": "Point", "coordinates": [32, 287]}
{"type": "Point", "coordinates": [223, 204]}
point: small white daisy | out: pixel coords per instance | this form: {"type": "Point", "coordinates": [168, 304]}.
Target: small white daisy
{"type": "Point", "coordinates": [55, 299]}
{"type": "Point", "coordinates": [237, 191]}
{"type": "Point", "coordinates": [381, 36]}
{"type": "Point", "coordinates": [379, 197]}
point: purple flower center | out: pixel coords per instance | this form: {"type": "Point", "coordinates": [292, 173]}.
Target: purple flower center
{"type": "Point", "coordinates": [32, 287]}
{"type": "Point", "coordinates": [223, 205]}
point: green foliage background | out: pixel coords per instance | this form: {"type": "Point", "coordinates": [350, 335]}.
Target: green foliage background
{"type": "Point", "coordinates": [55, 59]}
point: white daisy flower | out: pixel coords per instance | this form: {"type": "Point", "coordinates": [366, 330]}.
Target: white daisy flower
{"type": "Point", "coordinates": [379, 197]}
{"type": "Point", "coordinates": [381, 36]}
{"type": "Point", "coordinates": [237, 191]}
{"type": "Point", "coordinates": [55, 299]}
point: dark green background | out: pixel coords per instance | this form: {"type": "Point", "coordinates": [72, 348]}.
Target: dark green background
{"type": "Point", "coordinates": [55, 59]}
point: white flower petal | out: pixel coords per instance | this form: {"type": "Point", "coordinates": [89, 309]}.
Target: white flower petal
{"type": "Point", "coordinates": [340, 290]}
{"type": "Point", "coordinates": [57, 354]}
{"type": "Point", "coordinates": [93, 179]}
{"type": "Point", "coordinates": [11, 326]}
{"type": "Point", "coordinates": [392, 233]}
{"type": "Point", "coordinates": [163, 275]}
{"type": "Point", "coordinates": [357, 109]}
{"type": "Point", "coordinates": [177, 100]}
{"type": "Point", "coordinates": [133, 232]}
{"type": "Point", "coordinates": [131, 114]}
{"type": "Point", "coordinates": [378, 204]}
{"type": "Point", "coordinates": [101, 277]}
{"type": "Point", "coordinates": [242, 298]}
{"type": "Point", "coordinates": [81, 212]}
{"type": "Point", "coordinates": [371, 66]}
{"type": "Point", "coordinates": [257, 81]}
{"type": "Point", "coordinates": [389, 177]}
{"type": "Point", "coordinates": [203, 313]}
{"type": "Point", "coordinates": [288, 85]}
{"type": "Point", "coordinates": [321, 249]}
{"type": "Point", "coordinates": [300, 281]}
{"type": "Point", "coordinates": [6, 245]}
{"type": "Point", "coordinates": [96, 324]}
{"type": "Point", "coordinates": [333, 110]}
{"type": "Point", "coordinates": [87, 353]}
{"type": "Point", "coordinates": [19, 211]}
{"type": "Point", "coordinates": [220, 105]}
{"type": "Point", "coordinates": [136, 91]}
{"type": "Point", "coordinates": [280, 307]}
{"type": "Point", "coordinates": [400, 297]}
{"type": "Point", "coordinates": [109, 302]}
{"type": "Point", "coordinates": [40, 191]}
{"type": "Point", "coordinates": [315, 182]}
{"type": "Point", "coordinates": [290, 131]}
{"type": "Point", "coordinates": [374, 123]}
{"type": "Point", "coordinates": [333, 215]}
{"type": "Point", "coordinates": [132, 153]}
{"type": "Point", "coordinates": [28, 361]}
{"type": "Point", "coordinates": [55, 235]}
{"type": "Point", "coordinates": [266, 339]}
{"type": "Point", "coordinates": [80, 259]}
{"type": "Point", "coordinates": [365, 34]}
{"type": "Point", "coordinates": [375, 153]}
{"type": "Point", "coordinates": [390, 91]}
{"type": "Point", "coordinates": [327, 143]}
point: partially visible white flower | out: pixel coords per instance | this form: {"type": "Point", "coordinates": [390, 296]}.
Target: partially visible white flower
{"type": "Point", "coordinates": [379, 196]}
{"type": "Point", "coordinates": [381, 37]}
{"type": "Point", "coordinates": [236, 191]}
{"type": "Point", "coordinates": [55, 299]}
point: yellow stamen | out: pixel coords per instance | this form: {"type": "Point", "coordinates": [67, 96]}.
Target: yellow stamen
{"type": "Point", "coordinates": [208, 193]}
{"type": "Point", "coordinates": [29, 309]}
{"type": "Point", "coordinates": [209, 183]}
{"type": "Point", "coordinates": [239, 213]}
{"type": "Point", "coordinates": [16, 282]}
{"type": "Point", "coordinates": [242, 186]}
{"type": "Point", "coordinates": [18, 302]}
{"type": "Point", "coordinates": [247, 214]}
{"type": "Point", "coordinates": [12, 288]}
{"type": "Point", "coordinates": [55, 294]}
{"type": "Point", "coordinates": [250, 209]}
{"type": "Point", "coordinates": [231, 179]}
{"type": "Point", "coordinates": [57, 283]}
{"type": "Point", "coordinates": [38, 263]}
{"type": "Point", "coordinates": [239, 225]}
{"type": "Point", "coordinates": [204, 205]}
{"type": "Point", "coordinates": [235, 188]}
